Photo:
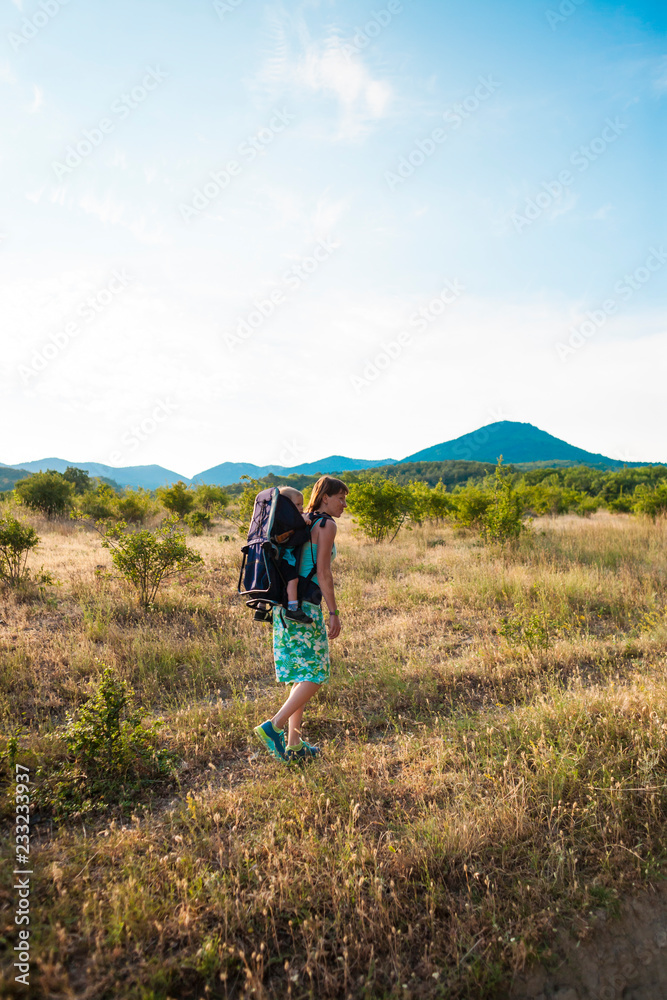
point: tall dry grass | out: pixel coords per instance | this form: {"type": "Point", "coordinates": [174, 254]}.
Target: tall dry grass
{"type": "Point", "coordinates": [475, 792]}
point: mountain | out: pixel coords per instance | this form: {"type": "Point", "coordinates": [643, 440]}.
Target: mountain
{"type": "Point", "coordinates": [9, 477]}
{"type": "Point", "coordinates": [231, 472]}
{"type": "Point", "coordinates": [518, 443]}
{"type": "Point", "coordinates": [152, 476]}
{"type": "Point", "coordinates": [149, 476]}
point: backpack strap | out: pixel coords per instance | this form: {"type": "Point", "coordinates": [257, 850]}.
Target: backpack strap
{"type": "Point", "coordinates": [318, 517]}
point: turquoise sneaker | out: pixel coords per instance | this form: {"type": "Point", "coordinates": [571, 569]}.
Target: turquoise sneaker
{"type": "Point", "coordinates": [303, 753]}
{"type": "Point", "coordinates": [272, 739]}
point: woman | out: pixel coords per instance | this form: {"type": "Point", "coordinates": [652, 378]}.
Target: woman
{"type": "Point", "coordinates": [301, 652]}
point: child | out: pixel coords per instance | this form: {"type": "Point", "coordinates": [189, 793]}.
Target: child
{"type": "Point", "coordinates": [289, 568]}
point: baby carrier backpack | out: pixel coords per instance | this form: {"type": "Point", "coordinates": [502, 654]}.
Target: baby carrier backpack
{"type": "Point", "coordinates": [276, 526]}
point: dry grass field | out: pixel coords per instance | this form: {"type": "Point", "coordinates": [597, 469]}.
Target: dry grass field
{"type": "Point", "coordinates": [495, 768]}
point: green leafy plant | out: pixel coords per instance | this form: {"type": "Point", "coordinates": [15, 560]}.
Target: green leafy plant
{"type": "Point", "coordinates": [503, 518]}
{"type": "Point", "coordinates": [110, 753]}
{"type": "Point", "coordinates": [146, 558]}
{"type": "Point", "coordinates": [17, 541]}
{"type": "Point", "coordinates": [381, 506]}
{"type": "Point", "coordinates": [210, 498]}
{"type": "Point", "coordinates": [650, 500]}
{"type": "Point", "coordinates": [47, 492]}
{"type": "Point", "coordinates": [197, 520]}
{"type": "Point", "coordinates": [180, 499]}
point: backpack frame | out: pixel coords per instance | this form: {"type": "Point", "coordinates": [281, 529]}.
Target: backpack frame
{"type": "Point", "coordinates": [276, 525]}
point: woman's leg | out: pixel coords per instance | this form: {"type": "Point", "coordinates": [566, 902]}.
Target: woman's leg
{"type": "Point", "coordinates": [300, 694]}
{"type": "Point", "coordinates": [294, 730]}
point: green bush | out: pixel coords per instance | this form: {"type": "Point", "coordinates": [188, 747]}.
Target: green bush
{"type": "Point", "coordinates": [650, 500]}
{"type": "Point", "coordinates": [79, 479]}
{"type": "Point", "coordinates": [380, 507]}
{"type": "Point", "coordinates": [146, 558]}
{"type": "Point", "coordinates": [135, 506]}
{"type": "Point", "coordinates": [16, 542]}
{"type": "Point", "coordinates": [47, 492]}
{"type": "Point", "coordinates": [106, 738]}
{"type": "Point", "coordinates": [212, 499]}
{"type": "Point", "coordinates": [98, 504]}
{"type": "Point", "coordinates": [111, 755]}
{"type": "Point", "coordinates": [197, 520]}
{"type": "Point", "coordinates": [503, 519]}
{"type": "Point", "coordinates": [179, 498]}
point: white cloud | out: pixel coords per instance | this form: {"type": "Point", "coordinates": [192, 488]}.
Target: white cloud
{"type": "Point", "coordinates": [328, 70]}
{"type": "Point", "coordinates": [6, 72]}
{"type": "Point", "coordinates": [298, 65]}
{"type": "Point", "coordinates": [37, 100]}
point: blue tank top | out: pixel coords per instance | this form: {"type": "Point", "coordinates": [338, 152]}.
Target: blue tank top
{"type": "Point", "coordinates": [307, 558]}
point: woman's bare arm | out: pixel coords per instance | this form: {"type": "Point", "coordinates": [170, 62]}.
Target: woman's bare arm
{"type": "Point", "coordinates": [325, 539]}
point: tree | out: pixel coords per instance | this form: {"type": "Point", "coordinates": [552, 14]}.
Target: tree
{"type": "Point", "coordinates": [650, 500]}
{"type": "Point", "coordinates": [146, 558]}
{"type": "Point", "coordinates": [212, 499]}
{"type": "Point", "coordinates": [135, 506]}
{"type": "Point", "coordinates": [380, 507]}
{"type": "Point", "coordinates": [48, 492]}
{"type": "Point", "coordinates": [16, 542]}
{"type": "Point", "coordinates": [503, 519]}
{"type": "Point", "coordinates": [98, 504]}
{"type": "Point", "coordinates": [79, 479]}
{"type": "Point", "coordinates": [179, 498]}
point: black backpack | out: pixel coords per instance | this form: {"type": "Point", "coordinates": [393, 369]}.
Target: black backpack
{"type": "Point", "coordinates": [276, 526]}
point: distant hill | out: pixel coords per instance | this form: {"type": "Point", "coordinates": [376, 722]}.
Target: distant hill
{"type": "Point", "coordinates": [10, 477]}
{"type": "Point", "coordinates": [518, 443]}
{"type": "Point", "coordinates": [231, 472]}
{"type": "Point", "coordinates": [148, 476]}
{"type": "Point", "coordinates": [152, 476]}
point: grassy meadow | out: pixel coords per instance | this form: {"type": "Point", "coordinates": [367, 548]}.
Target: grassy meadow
{"type": "Point", "coordinates": [494, 767]}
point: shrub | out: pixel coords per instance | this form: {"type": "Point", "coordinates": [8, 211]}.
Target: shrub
{"type": "Point", "coordinates": [197, 520]}
{"type": "Point", "coordinates": [179, 498]}
{"type": "Point", "coordinates": [102, 742]}
{"type": "Point", "coordinates": [380, 507]}
{"type": "Point", "coordinates": [48, 492]}
{"type": "Point", "coordinates": [212, 499]}
{"type": "Point", "coordinates": [79, 479]}
{"type": "Point", "coordinates": [147, 558]}
{"type": "Point", "coordinates": [98, 504]}
{"type": "Point", "coordinates": [16, 542]}
{"type": "Point", "coordinates": [650, 500]}
{"type": "Point", "coordinates": [135, 506]}
{"type": "Point", "coordinates": [111, 755]}
{"type": "Point", "coordinates": [469, 506]}
{"type": "Point", "coordinates": [503, 519]}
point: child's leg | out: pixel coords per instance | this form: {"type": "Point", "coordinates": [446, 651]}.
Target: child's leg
{"type": "Point", "coordinates": [292, 586]}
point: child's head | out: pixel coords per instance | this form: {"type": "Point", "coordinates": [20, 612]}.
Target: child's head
{"type": "Point", "coordinates": [294, 495]}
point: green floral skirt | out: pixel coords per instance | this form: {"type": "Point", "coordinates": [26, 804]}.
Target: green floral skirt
{"type": "Point", "coordinates": [301, 652]}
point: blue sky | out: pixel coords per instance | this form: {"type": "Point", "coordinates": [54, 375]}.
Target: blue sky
{"type": "Point", "coordinates": [498, 167]}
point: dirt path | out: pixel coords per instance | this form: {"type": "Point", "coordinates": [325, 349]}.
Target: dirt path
{"type": "Point", "coordinates": [622, 958]}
